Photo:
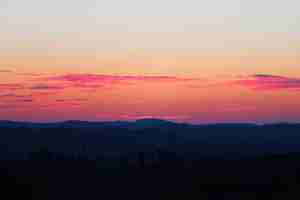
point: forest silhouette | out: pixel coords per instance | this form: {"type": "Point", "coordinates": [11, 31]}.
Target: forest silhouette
{"type": "Point", "coordinates": [149, 159]}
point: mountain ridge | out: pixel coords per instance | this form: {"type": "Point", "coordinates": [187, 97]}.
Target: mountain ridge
{"type": "Point", "coordinates": [142, 122]}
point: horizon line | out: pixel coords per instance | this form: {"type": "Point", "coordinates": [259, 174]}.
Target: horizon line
{"type": "Point", "coordinates": [165, 120]}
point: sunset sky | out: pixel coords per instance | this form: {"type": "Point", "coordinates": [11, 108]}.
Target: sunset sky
{"type": "Point", "coordinates": [194, 61]}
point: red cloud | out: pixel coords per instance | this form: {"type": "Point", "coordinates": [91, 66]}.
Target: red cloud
{"type": "Point", "coordinates": [268, 82]}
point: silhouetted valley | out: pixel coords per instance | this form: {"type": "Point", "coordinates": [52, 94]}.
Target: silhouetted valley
{"type": "Point", "coordinates": [149, 159]}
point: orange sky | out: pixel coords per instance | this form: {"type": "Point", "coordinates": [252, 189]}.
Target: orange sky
{"type": "Point", "coordinates": [194, 61]}
{"type": "Point", "coordinates": [42, 95]}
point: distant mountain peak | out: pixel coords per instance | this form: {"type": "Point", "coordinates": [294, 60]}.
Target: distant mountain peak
{"type": "Point", "coordinates": [153, 122]}
{"type": "Point", "coordinates": [74, 122]}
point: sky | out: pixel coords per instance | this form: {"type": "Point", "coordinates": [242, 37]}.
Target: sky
{"type": "Point", "coordinates": [194, 61]}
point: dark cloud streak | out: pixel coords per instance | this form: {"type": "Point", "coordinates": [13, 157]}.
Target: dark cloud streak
{"type": "Point", "coordinates": [269, 82]}
{"type": "Point", "coordinates": [46, 87]}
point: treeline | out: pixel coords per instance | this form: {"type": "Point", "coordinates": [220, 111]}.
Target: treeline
{"type": "Point", "coordinates": [160, 162]}
{"type": "Point", "coordinates": [58, 176]}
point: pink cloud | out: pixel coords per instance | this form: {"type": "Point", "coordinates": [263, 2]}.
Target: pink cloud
{"type": "Point", "coordinates": [165, 117]}
{"type": "Point", "coordinates": [87, 78]}
{"type": "Point", "coordinates": [64, 103]}
{"type": "Point", "coordinates": [268, 82]}
{"type": "Point", "coordinates": [100, 80]}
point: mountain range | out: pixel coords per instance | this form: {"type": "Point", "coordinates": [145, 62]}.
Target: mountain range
{"type": "Point", "coordinates": [125, 138]}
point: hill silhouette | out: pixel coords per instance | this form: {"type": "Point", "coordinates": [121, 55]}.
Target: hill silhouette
{"type": "Point", "coordinates": [149, 158]}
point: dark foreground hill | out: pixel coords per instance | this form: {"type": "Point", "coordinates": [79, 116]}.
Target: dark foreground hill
{"type": "Point", "coordinates": [149, 159]}
{"type": "Point", "coordinates": [120, 138]}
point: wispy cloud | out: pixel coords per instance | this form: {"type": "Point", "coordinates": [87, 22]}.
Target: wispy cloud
{"type": "Point", "coordinates": [268, 82]}
{"type": "Point", "coordinates": [7, 95]}
{"type": "Point", "coordinates": [46, 87]}
{"type": "Point", "coordinates": [6, 71]}
{"type": "Point", "coordinates": [30, 74]}
{"type": "Point", "coordinates": [23, 100]}
{"type": "Point", "coordinates": [102, 80]}
{"type": "Point", "coordinates": [11, 86]}
{"type": "Point", "coordinates": [7, 106]}
{"type": "Point", "coordinates": [154, 116]}
{"type": "Point", "coordinates": [13, 95]}
{"type": "Point", "coordinates": [84, 78]}
{"type": "Point", "coordinates": [71, 100]}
